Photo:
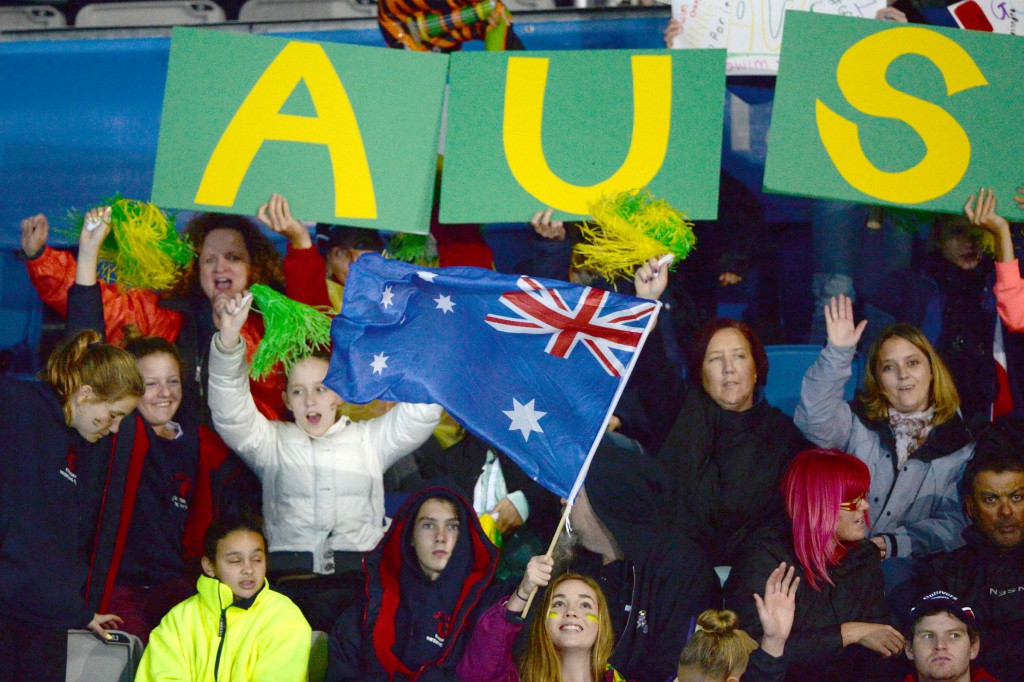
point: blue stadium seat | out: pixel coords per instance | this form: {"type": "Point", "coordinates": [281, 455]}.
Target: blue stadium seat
{"type": "Point", "coordinates": [21, 315]}
{"type": "Point", "coordinates": [786, 368]}
{"type": "Point", "coordinates": [393, 502]}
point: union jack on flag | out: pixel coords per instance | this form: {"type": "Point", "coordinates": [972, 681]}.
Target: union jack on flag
{"type": "Point", "coordinates": [544, 311]}
{"type": "Point", "coordinates": [497, 352]}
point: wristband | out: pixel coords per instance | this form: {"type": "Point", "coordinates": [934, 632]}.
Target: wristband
{"type": "Point", "coordinates": [526, 598]}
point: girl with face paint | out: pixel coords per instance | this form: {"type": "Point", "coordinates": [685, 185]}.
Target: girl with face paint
{"type": "Point", "coordinates": [570, 639]}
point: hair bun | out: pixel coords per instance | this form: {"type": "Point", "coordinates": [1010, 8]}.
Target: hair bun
{"type": "Point", "coordinates": [718, 622]}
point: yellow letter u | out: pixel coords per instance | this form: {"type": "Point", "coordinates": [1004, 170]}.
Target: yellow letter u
{"type": "Point", "coordinates": [524, 112]}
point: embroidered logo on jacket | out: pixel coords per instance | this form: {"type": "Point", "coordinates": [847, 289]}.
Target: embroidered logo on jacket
{"type": "Point", "coordinates": [444, 628]}
{"type": "Point", "coordinates": [184, 483]}
{"type": "Point", "coordinates": [70, 470]}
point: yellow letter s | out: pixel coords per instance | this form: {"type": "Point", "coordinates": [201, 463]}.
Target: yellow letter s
{"type": "Point", "coordinates": [861, 77]}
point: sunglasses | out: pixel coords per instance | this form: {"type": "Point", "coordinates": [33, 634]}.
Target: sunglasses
{"type": "Point", "coordinates": [852, 505]}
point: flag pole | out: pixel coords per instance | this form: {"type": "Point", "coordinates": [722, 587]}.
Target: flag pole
{"type": "Point", "coordinates": [551, 550]}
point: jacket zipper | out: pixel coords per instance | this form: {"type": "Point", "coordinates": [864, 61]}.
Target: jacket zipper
{"type": "Point", "coordinates": [221, 632]}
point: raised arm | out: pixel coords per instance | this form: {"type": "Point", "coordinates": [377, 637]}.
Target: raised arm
{"type": "Point", "coordinates": [53, 272]}
{"type": "Point", "coordinates": [488, 655]}
{"type": "Point", "coordinates": [305, 274]}
{"type": "Point", "coordinates": [232, 408]}
{"type": "Point", "coordinates": [401, 430]}
{"type": "Point", "coordinates": [1009, 287]}
{"type": "Point", "coordinates": [85, 300]}
{"type": "Point", "coordinates": [822, 415]}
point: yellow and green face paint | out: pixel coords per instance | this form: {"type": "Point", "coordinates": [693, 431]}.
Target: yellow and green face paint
{"type": "Point", "coordinates": [592, 617]}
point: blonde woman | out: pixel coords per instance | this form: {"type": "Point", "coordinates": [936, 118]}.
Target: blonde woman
{"type": "Point", "coordinates": [571, 637]}
{"type": "Point", "coordinates": [905, 426]}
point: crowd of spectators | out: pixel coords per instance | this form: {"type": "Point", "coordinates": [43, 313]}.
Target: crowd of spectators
{"type": "Point", "coordinates": [714, 538]}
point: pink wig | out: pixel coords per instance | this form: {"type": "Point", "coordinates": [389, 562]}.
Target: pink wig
{"type": "Point", "coordinates": [814, 486]}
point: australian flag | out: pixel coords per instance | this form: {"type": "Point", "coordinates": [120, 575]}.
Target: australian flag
{"type": "Point", "coordinates": [532, 366]}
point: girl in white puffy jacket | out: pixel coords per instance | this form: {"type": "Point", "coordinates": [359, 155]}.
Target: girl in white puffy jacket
{"type": "Point", "coordinates": [323, 477]}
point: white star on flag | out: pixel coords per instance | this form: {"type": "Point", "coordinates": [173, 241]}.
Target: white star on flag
{"type": "Point", "coordinates": [380, 363]}
{"type": "Point", "coordinates": [429, 276]}
{"type": "Point", "coordinates": [524, 418]}
{"type": "Point", "coordinates": [386, 297]}
{"type": "Point", "coordinates": [445, 303]}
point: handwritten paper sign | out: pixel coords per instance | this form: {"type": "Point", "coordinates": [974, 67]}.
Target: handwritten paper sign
{"type": "Point", "coordinates": [751, 30]}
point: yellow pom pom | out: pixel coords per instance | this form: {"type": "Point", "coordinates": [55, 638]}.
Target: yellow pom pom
{"type": "Point", "coordinates": [628, 230]}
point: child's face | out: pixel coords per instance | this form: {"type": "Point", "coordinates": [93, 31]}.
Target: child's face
{"type": "Point", "coordinates": [314, 405]}
{"type": "Point", "coordinates": [572, 619]}
{"type": "Point", "coordinates": [241, 563]}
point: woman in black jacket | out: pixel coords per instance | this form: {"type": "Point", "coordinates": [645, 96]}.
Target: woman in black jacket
{"type": "Point", "coordinates": [51, 482]}
{"type": "Point", "coordinates": [841, 630]}
{"type": "Point", "coordinates": [728, 447]}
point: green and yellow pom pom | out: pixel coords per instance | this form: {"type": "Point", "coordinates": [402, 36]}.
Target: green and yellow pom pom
{"type": "Point", "coordinates": [629, 229]}
{"type": "Point", "coordinates": [143, 248]}
{"type": "Point", "coordinates": [292, 331]}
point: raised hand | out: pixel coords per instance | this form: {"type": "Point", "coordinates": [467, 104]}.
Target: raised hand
{"type": "Point", "coordinates": [980, 209]}
{"type": "Point", "coordinates": [537, 574]}
{"type": "Point", "coordinates": [91, 239]}
{"type": "Point", "coordinates": [229, 316]}
{"type": "Point", "coordinates": [673, 29]}
{"type": "Point", "coordinates": [729, 278]}
{"type": "Point", "coordinates": [34, 232]}
{"type": "Point", "coordinates": [277, 215]}
{"type": "Point", "coordinates": [842, 330]}
{"type": "Point", "coordinates": [546, 227]}
{"type": "Point", "coordinates": [651, 279]}
{"type": "Point", "coordinates": [98, 219]}
{"type": "Point", "coordinates": [891, 14]}
{"type": "Point", "coordinates": [777, 608]}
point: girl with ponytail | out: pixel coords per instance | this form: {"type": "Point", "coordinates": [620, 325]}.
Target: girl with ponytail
{"type": "Point", "coordinates": [51, 481]}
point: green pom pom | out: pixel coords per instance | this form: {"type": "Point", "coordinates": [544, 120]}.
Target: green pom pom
{"type": "Point", "coordinates": [292, 331]}
{"type": "Point", "coordinates": [412, 248]}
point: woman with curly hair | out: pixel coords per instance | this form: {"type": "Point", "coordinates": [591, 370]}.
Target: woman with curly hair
{"type": "Point", "coordinates": [232, 254]}
{"type": "Point", "coordinates": [571, 637]}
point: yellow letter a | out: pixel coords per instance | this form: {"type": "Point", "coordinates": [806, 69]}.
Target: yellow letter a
{"type": "Point", "coordinates": [524, 112]}
{"type": "Point", "coordinates": [259, 119]}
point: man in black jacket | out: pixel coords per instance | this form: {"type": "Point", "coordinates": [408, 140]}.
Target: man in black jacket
{"type": "Point", "coordinates": [656, 584]}
{"type": "Point", "coordinates": [989, 572]}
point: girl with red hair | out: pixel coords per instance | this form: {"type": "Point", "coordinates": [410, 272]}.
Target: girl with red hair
{"type": "Point", "coordinates": [841, 629]}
